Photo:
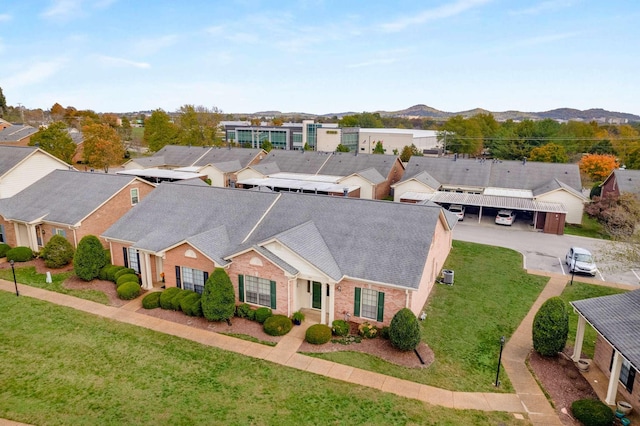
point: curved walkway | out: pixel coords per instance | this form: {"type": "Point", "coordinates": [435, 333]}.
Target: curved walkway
{"type": "Point", "coordinates": [528, 398]}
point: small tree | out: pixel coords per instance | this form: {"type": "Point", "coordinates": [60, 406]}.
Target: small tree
{"type": "Point", "coordinates": [404, 332]}
{"type": "Point", "coordinates": [89, 258]}
{"type": "Point", "coordinates": [57, 253]}
{"type": "Point", "coordinates": [378, 149]}
{"type": "Point", "coordinates": [551, 327]}
{"type": "Point", "coordinates": [266, 145]}
{"type": "Point", "coordinates": [342, 148]}
{"type": "Point", "coordinates": [218, 297]}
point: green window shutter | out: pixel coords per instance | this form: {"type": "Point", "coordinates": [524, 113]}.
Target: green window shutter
{"type": "Point", "coordinates": [380, 306]}
{"type": "Point", "coordinates": [241, 288]}
{"type": "Point", "coordinates": [178, 282]}
{"type": "Point", "coordinates": [356, 304]}
{"type": "Point", "coordinates": [125, 253]}
{"type": "Point", "coordinates": [273, 294]}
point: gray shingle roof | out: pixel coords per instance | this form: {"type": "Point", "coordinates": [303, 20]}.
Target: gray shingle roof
{"type": "Point", "coordinates": [181, 156]}
{"type": "Point", "coordinates": [224, 155]}
{"type": "Point", "coordinates": [427, 179]}
{"type": "Point", "coordinates": [462, 172]}
{"type": "Point", "coordinates": [276, 260]}
{"type": "Point", "coordinates": [63, 196]}
{"type": "Point", "coordinates": [308, 162]}
{"type": "Point", "coordinates": [16, 133]}
{"type": "Point", "coordinates": [212, 242]}
{"type": "Point", "coordinates": [617, 319]}
{"type": "Point", "coordinates": [10, 156]}
{"type": "Point", "coordinates": [553, 185]}
{"type": "Point", "coordinates": [372, 175]}
{"type": "Point", "coordinates": [228, 166]}
{"type": "Point", "coordinates": [266, 168]}
{"type": "Point", "coordinates": [148, 162]}
{"type": "Point", "coordinates": [628, 180]}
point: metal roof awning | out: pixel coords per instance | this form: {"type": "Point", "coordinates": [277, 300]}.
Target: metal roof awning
{"type": "Point", "coordinates": [480, 200]}
{"type": "Point", "coordinates": [298, 185]}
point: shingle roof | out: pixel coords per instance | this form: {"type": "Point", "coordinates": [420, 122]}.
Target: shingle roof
{"type": "Point", "coordinates": [181, 156]}
{"type": "Point", "coordinates": [266, 168]}
{"type": "Point", "coordinates": [217, 156]}
{"type": "Point", "coordinates": [63, 196]}
{"type": "Point", "coordinates": [461, 172]}
{"type": "Point", "coordinates": [10, 156]}
{"type": "Point", "coordinates": [228, 166]}
{"type": "Point", "coordinates": [617, 319]}
{"type": "Point", "coordinates": [297, 161]}
{"type": "Point", "coordinates": [16, 133]}
{"type": "Point", "coordinates": [372, 175]}
{"type": "Point", "coordinates": [553, 185]}
{"type": "Point", "coordinates": [212, 242]}
{"type": "Point", "coordinates": [628, 180]}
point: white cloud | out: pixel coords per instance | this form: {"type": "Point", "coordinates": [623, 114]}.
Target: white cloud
{"type": "Point", "coordinates": [36, 73]}
{"type": "Point", "coordinates": [121, 62]}
{"type": "Point", "coordinates": [5, 17]}
{"type": "Point", "coordinates": [149, 46]}
{"type": "Point", "coordinates": [440, 12]}
{"type": "Point", "coordinates": [63, 10]}
{"type": "Point", "coordinates": [372, 63]}
{"type": "Point", "coordinates": [545, 6]}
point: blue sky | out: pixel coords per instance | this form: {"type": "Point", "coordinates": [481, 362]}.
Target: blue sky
{"type": "Point", "coordinates": [321, 56]}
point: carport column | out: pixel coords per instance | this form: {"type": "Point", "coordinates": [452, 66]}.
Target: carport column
{"type": "Point", "coordinates": [332, 302]}
{"type": "Point", "coordinates": [145, 271]}
{"type": "Point", "coordinates": [577, 347]}
{"type": "Point", "coordinates": [612, 390]}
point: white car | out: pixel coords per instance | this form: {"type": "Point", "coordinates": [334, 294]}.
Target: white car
{"type": "Point", "coordinates": [579, 260]}
{"type": "Point", "coordinates": [458, 210]}
{"type": "Point", "coordinates": [505, 217]}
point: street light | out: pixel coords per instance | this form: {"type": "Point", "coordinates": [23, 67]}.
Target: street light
{"type": "Point", "coordinates": [499, 361]}
{"type": "Point", "coordinates": [14, 277]}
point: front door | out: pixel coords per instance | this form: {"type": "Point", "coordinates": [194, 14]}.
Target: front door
{"type": "Point", "coordinates": [317, 296]}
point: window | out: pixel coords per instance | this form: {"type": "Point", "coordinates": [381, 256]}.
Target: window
{"type": "Point", "coordinates": [134, 196]}
{"type": "Point", "coordinates": [193, 279]}
{"type": "Point", "coordinates": [3, 239]}
{"type": "Point", "coordinates": [134, 260]}
{"type": "Point", "coordinates": [369, 304]}
{"type": "Point", "coordinates": [256, 290]}
{"type": "Point", "coordinates": [61, 232]}
{"type": "Point", "coordinates": [627, 373]}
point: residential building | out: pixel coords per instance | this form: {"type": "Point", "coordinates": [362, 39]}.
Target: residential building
{"type": "Point", "coordinates": [620, 181]}
{"type": "Point", "coordinates": [17, 135]}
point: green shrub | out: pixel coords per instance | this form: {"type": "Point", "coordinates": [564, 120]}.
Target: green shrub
{"type": "Point", "coordinates": [318, 334]}
{"type": "Point", "coordinates": [89, 258]}
{"type": "Point", "coordinates": [367, 330]}
{"type": "Point", "coordinates": [185, 300]}
{"type": "Point", "coordinates": [151, 300]}
{"type": "Point", "coordinates": [242, 311]}
{"type": "Point", "coordinates": [175, 302]}
{"type": "Point", "coordinates": [102, 275]}
{"type": "Point", "coordinates": [127, 278]}
{"type": "Point", "coordinates": [551, 327]}
{"type": "Point", "coordinates": [167, 295]}
{"type": "Point", "coordinates": [404, 331]}
{"type": "Point", "coordinates": [218, 298]}
{"type": "Point", "coordinates": [277, 325]}
{"type": "Point", "coordinates": [592, 412]}
{"type": "Point", "coordinates": [4, 248]}
{"type": "Point", "coordinates": [252, 315]}
{"type": "Point", "coordinates": [122, 271]}
{"type": "Point", "coordinates": [111, 272]}
{"type": "Point", "coordinates": [262, 314]}
{"type": "Point", "coordinates": [20, 254]}
{"type": "Point", "coordinates": [129, 290]}
{"type": "Point", "coordinates": [57, 253]}
{"type": "Point", "coordinates": [340, 328]}
{"type": "Point", "coordinates": [191, 305]}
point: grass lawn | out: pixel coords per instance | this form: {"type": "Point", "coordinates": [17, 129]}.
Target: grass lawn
{"type": "Point", "coordinates": [579, 291]}
{"type": "Point", "coordinates": [65, 367]}
{"type": "Point", "coordinates": [590, 228]}
{"type": "Point", "coordinates": [490, 297]}
{"type": "Point", "coordinates": [28, 275]}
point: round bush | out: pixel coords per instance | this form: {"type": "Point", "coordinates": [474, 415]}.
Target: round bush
{"type": "Point", "coordinates": [592, 412]}
{"type": "Point", "coordinates": [124, 271]}
{"type": "Point", "coordinates": [4, 248]}
{"type": "Point", "coordinates": [20, 254]}
{"type": "Point", "coordinates": [102, 275]}
{"type": "Point", "coordinates": [126, 278]}
{"type": "Point", "coordinates": [151, 300]}
{"type": "Point", "coordinates": [318, 334]}
{"type": "Point", "coordinates": [340, 328]}
{"type": "Point", "coordinates": [251, 316]}
{"type": "Point", "coordinates": [191, 305]}
{"type": "Point", "coordinates": [262, 314]}
{"type": "Point", "coordinates": [89, 258]}
{"type": "Point", "coordinates": [404, 331]}
{"type": "Point", "coordinates": [129, 290]}
{"type": "Point", "coordinates": [551, 327]}
{"type": "Point", "coordinates": [57, 253]}
{"type": "Point", "coordinates": [186, 300]}
{"type": "Point", "coordinates": [277, 325]}
{"type": "Point", "coordinates": [167, 295]}
{"type": "Point", "coordinates": [111, 270]}
{"type": "Point", "coordinates": [175, 302]}
{"type": "Point", "coordinates": [242, 311]}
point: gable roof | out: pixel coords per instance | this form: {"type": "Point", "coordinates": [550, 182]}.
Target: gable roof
{"type": "Point", "coordinates": [187, 156]}
{"type": "Point", "coordinates": [63, 196]}
{"type": "Point", "coordinates": [627, 180]}
{"type": "Point", "coordinates": [180, 156]}
{"type": "Point", "coordinates": [11, 156]}
{"type": "Point", "coordinates": [16, 133]}
{"type": "Point", "coordinates": [617, 319]}
{"type": "Point", "coordinates": [370, 175]}
{"type": "Point", "coordinates": [216, 156]}
{"type": "Point", "coordinates": [553, 185]}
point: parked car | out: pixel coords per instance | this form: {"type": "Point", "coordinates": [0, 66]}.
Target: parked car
{"type": "Point", "coordinates": [458, 210]}
{"type": "Point", "coordinates": [505, 217]}
{"type": "Point", "coordinates": [579, 260]}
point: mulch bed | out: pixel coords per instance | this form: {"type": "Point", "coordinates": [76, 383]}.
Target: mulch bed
{"type": "Point", "coordinates": [562, 380]}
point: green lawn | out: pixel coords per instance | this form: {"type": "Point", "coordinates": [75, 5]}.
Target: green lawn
{"type": "Point", "coordinates": [579, 291]}
{"type": "Point", "coordinates": [28, 275]}
{"type": "Point", "coordinates": [65, 367]}
{"type": "Point", "coordinates": [490, 297]}
{"type": "Point", "coordinates": [589, 228]}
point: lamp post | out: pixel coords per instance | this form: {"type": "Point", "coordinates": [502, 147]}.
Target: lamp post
{"type": "Point", "coordinates": [499, 361]}
{"type": "Point", "coordinates": [573, 273]}
{"type": "Point", "coordinates": [14, 277]}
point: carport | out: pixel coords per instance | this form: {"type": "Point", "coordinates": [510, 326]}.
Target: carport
{"type": "Point", "coordinates": [549, 217]}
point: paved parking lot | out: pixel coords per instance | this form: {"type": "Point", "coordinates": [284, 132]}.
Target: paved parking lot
{"type": "Point", "coordinates": [546, 252]}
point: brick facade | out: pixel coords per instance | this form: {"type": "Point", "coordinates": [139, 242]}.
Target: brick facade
{"type": "Point", "coordinates": [183, 256]}
{"type": "Point", "coordinates": [602, 359]}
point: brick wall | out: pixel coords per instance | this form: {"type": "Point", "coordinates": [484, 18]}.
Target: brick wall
{"type": "Point", "coordinates": [602, 359]}
{"type": "Point", "coordinates": [394, 300]}
{"type": "Point", "coordinates": [9, 232]}
{"type": "Point", "coordinates": [178, 257]}
{"type": "Point", "coordinates": [610, 186]}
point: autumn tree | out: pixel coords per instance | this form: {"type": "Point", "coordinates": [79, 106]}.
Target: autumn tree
{"type": "Point", "coordinates": [57, 112]}
{"type": "Point", "coordinates": [408, 152]}
{"type": "Point", "coordinates": [159, 131]}
{"type": "Point", "coordinates": [597, 166]}
{"type": "Point", "coordinates": [618, 214]}
{"type": "Point", "coordinates": [277, 122]}
{"type": "Point", "coordinates": [102, 146]}
{"type": "Point", "coordinates": [56, 141]}
{"type": "Point", "coordinates": [198, 125]}
{"type": "Point", "coordinates": [549, 153]}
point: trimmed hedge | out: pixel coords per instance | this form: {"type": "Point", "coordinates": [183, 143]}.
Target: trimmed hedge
{"type": "Point", "coordinates": [129, 290]}
{"type": "Point", "coordinates": [242, 311]}
{"type": "Point", "coordinates": [551, 327]}
{"type": "Point", "coordinates": [167, 295]}
{"type": "Point", "coordinates": [190, 304]}
{"type": "Point", "coordinates": [340, 328]}
{"type": "Point", "coordinates": [111, 272]}
{"type": "Point", "coordinates": [127, 278]}
{"type": "Point", "coordinates": [57, 253]}
{"type": "Point", "coordinates": [151, 300]}
{"type": "Point", "coordinates": [102, 275]}
{"type": "Point", "coordinates": [4, 248]}
{"type": "Point", "coordinates": [20, 254]}
{"type": "Point", "coordinates": [404, 331]}
{"type": "Point", "coordinates": [278, 325]}
{"type": "Point", "coordinates": [262, 314]}
{"type": "Point", "coordinates": [592, 412]}
{"type": "Point", "coordinates": [124, 271]}
{"type": "Point", "coordinates": [318, 334]}
{"type": "Point", "coordinates": [175, 302]}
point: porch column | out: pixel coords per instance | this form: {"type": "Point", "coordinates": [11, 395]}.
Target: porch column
{"type": "Point", "coordinates": [612, 390]}
{"type": "Point", "coordinates": [159, 268]}
{"type": "Point", "coordinates": [323, 303]}
{"type": "Point", "coordinates": [332, 302]}
{"type": "Point", "coordinates": [480, 215]}
{"type": "Point", "coordinates": [33, 238]}
{"type": "Point", "coordinates": [577, 347]}
{"type": "Point", "coordinates": [145, 271]}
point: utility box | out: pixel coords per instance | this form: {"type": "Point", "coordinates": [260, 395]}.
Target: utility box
{"type": "Point", "coordinates": [447, 276]}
